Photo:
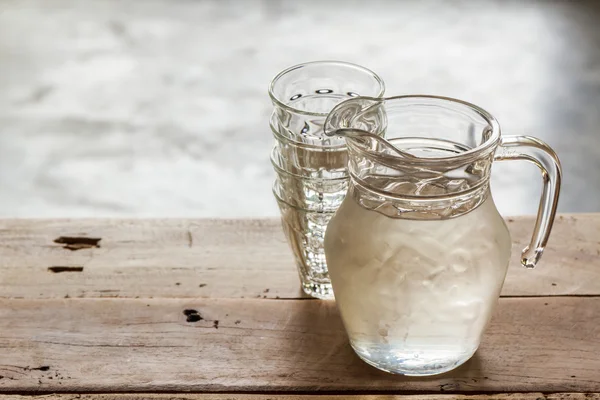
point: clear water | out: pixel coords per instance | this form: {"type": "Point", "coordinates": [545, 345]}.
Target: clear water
{"type": "Point", "coordinates": [416, 295]}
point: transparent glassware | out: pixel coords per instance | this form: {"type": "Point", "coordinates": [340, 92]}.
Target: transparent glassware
{"type": "Point", "coordinates": [299, 188]}
{"type": "Point", "coordinates": [311, 167]}
{"type": "Point", "coordinates": [417, 252]}
{"type": "Point", "coordinates": [304, 94]}
{"type": "Point", "coordinates": [309, 160]}
{"type": "Point", "coordinates": [304, 230]}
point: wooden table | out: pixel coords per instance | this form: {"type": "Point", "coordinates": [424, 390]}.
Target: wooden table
{"type": "Point", "coordinates": [211, 309]}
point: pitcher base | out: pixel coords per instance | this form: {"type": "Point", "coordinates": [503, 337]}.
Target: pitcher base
{"type": "Point", "coordinates": [411, 363]}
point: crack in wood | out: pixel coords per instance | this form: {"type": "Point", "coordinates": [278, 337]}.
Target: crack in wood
{"type": "Point", "coordinates": [61, 268]}
{"type": "Point", "coordinates": [42, 368]}
{"type": "Point", "coordinates": [111, 345]}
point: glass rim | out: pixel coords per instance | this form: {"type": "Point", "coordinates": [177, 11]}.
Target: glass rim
{"type": "Point", "coordinates": [280, 169]}
{"type": "Point", "coordinates": [492, 141]}
{"type": "Point", "coordinates": [312, 63]}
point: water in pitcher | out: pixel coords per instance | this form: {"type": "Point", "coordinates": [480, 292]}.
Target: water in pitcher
{"type": "Point", "coordinates": [415, 295]}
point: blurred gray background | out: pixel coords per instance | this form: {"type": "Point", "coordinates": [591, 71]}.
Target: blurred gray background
{"type": "Point", "coordinates": [160, 107]}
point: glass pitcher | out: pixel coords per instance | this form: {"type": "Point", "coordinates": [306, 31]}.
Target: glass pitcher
{"type": "Point", "coordinates": [417, 251]}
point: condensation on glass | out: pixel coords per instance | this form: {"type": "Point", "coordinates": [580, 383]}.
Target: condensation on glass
{"type": "Point", "coordinates": [417, 252]}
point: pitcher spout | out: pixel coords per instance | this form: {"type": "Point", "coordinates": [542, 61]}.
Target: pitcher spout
{"type": "Point", "coordinates": [363, 120]}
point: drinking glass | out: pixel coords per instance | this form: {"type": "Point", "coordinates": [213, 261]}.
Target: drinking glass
{"type": "Point", "coordinates": [311, 167]}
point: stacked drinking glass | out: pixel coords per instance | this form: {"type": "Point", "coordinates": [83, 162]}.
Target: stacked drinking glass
{"type": "Point", "coordinates": [312, 176]}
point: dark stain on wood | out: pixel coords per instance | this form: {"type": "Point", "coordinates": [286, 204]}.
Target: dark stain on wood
{"type": "Point", "coordinates": [192, 315]}
{"type": "Point", "coordinates": [194, 318]}
{"type": "Point", "coordinates": [59, 268]}
{"type": "Point", "coordinates": [190, 239]}
{"type": "Point", "coordinates": [216, 324]}
{"type": "Point", "coordinates": [74, 243]}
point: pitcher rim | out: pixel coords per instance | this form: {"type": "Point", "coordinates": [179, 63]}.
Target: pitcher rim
{"type": "Point", "coordinates": [490, 142]}
{"type": "Point", "coordinates": [309, 63]}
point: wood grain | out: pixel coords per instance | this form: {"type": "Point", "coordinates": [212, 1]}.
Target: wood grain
{"type": "Point", "coordinates": [184, 396]}
{"type": "Point", "coordinates": [128, 345]}
{"type": "Point", "coordinates": [235, 259]}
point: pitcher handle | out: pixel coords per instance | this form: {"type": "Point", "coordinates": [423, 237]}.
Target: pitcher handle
{"type": "Point", "coordinates": [534, 150]}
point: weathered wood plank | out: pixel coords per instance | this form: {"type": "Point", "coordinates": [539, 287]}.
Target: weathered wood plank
{"type": "Point", "coordinates": [125, 345]}
{"type": "Point", "coordinates": [148, 258]}
{"type": "Point", "coordinates": [234, 258]}
{"type": "Point", "coordinates": [185, 396]}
